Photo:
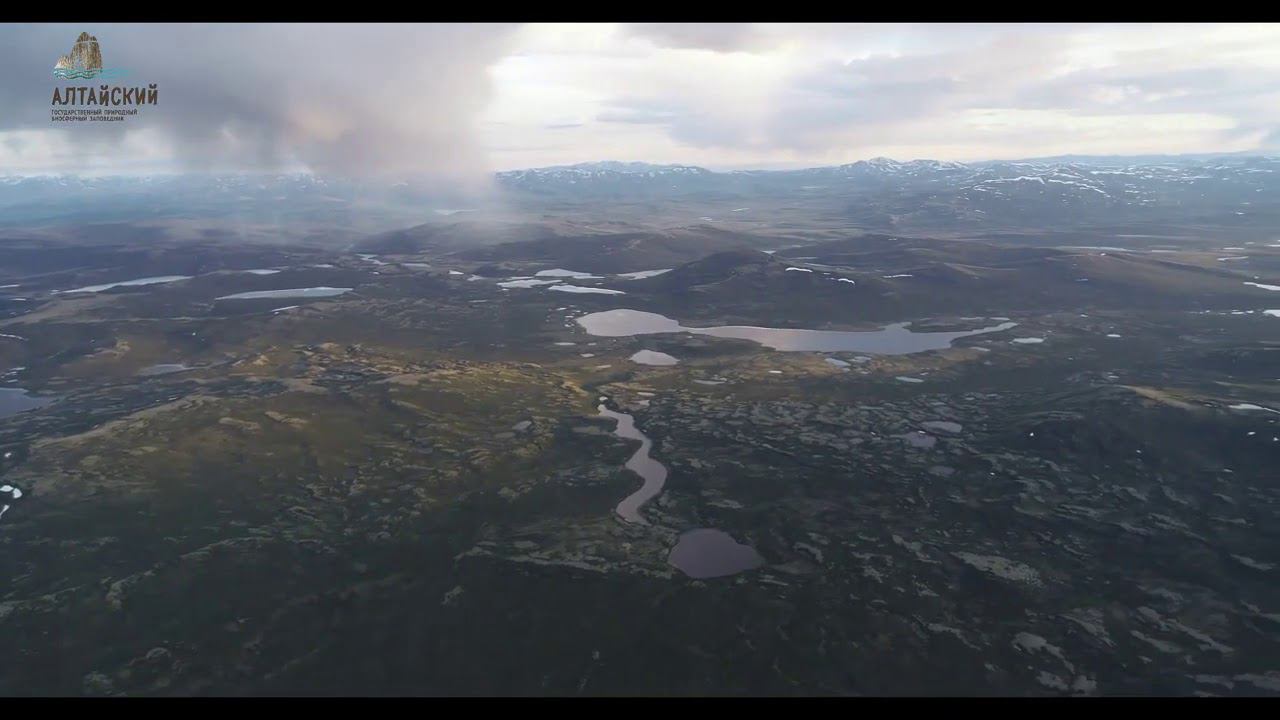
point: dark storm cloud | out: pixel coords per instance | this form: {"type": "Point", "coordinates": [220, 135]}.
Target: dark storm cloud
{"type": "Point", "coordinates": [347, 99]}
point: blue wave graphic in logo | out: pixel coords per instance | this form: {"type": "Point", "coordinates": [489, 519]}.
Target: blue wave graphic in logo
{"type": "Point", "coordinates": [88, 73]}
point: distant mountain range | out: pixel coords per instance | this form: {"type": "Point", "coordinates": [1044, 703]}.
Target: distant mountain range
{"type": "Point", "coordinates": [881, 194]}
{"type": "Point", "coordinates": [889, 164]}
{"type": "Point", "coordinates": [1078, 169]}
{"type": "Point", "coordinates": [892, 195]}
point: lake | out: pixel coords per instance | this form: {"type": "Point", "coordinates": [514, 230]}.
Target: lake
{"type": "Point", "coordinates": [653, 357]}
{"type": "Point", "coordinates": [130, 283]}
{"type": "Point", "coordinates": [311, 292]}
{"type": "Point", "coordinates": [894, 339]}
{"type": "Point", "coordinates": [709, 553]}
{"type": "Point", "coordinates": [16, 400]}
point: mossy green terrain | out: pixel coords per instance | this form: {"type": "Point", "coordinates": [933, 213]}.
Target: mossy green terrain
{"type": "Point", "coordinates": [407, 489]}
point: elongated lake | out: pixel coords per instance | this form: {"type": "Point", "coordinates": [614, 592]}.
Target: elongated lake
{"type": "Point", "coordinates": [311, 292]}
{"type": "Point", "coordinates": [163, 369]}
{"type": "Point", "coordinates": [894, 339]}
{"type": "Point", "coordinates": [158, 280]}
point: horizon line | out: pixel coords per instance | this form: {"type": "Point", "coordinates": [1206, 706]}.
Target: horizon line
{"type": "Point", "coordinates": [719, 169]}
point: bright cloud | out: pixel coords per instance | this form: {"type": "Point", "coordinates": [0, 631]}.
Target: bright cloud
{"type": "Point", "coordinates": [456, 101]}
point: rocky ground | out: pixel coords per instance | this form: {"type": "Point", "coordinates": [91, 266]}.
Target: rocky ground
{"type": "Point", "coordinates": [408, 489]}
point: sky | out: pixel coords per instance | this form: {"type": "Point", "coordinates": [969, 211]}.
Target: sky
{"type": "Point", "coordinates": [453, 103]}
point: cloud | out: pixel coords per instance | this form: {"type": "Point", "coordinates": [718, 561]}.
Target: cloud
{"type": "Point", "coordinates": [719, 37]}
{"type": "Point", "coordinates": [805, 94]}
{"type": "Point", "coordinates": [642, 112]}
{"type": "Point", "coordinates": [452, 101]}
{"type": "Point", "coordinates": [1271, 141]}
{"type": "Point", "coordinates": [343, 99]}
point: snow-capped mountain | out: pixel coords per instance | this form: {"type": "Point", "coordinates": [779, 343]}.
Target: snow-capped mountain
{"type": "Point", "coordinates": [881, 189]}
{"type": "Point", "coordinates": [880, 192]}
{"type": "Point", "coordinates": [1102, 176]}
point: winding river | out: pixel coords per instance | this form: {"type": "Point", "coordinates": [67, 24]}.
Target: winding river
{"type": "Point", "coordinates": [701, 553]}
{"type": "Point", "coordinates": [651, 471]}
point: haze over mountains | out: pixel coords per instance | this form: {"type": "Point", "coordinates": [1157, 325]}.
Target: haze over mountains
{"type": "Point", "coordinates": [1235, 191]}
{"type": "Point", "coordinates": [1115, 181]}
